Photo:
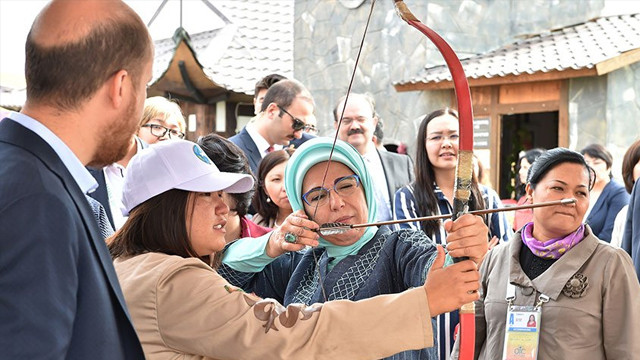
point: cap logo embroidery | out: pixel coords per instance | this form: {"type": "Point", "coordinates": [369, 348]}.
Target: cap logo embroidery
{"type": "Point", "coordinates": [201, 155]}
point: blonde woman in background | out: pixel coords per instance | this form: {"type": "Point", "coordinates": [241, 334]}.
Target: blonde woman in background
{"type": "Point", "coordinates": [161, 120]}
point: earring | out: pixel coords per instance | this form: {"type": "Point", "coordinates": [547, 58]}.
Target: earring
{"type": "Point", "coordinates": [268, 199]}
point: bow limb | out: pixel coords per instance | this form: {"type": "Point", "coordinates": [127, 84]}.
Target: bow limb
{"type": "Point", "coordinates": [464, 168]}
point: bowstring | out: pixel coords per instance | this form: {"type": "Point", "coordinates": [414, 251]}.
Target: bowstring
{"type": "Point", "coordinates": [335, 138]}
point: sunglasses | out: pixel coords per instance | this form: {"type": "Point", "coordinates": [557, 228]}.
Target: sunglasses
{"type": "Point", "coordinates": [297, 123]}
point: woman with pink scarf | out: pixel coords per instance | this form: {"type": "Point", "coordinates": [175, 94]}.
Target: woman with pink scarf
{"type": "Point", "coordinates": [582, 292]}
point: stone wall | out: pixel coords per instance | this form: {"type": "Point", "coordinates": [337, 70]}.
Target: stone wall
{"type": "Point", "coordinates": [328, 33]}
{"type": "Point", "coordinates": [606, 110]}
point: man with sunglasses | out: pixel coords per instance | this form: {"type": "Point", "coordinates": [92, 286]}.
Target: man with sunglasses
{"type": "Point", "coordinates": [284, 116]}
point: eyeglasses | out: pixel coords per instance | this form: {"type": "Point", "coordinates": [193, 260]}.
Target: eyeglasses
{"type": "Point", "coordinates": [160, 131]}
{"type": "Point", "coordinates": [297, 123]}
{"type": "Point", "coordinates": [343, 186]}
{"type": "Point", "coordinates": [360, 120]}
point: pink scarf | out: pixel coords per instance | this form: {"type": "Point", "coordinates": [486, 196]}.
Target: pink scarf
{"type": "Point", "coordinates": [553, 248]}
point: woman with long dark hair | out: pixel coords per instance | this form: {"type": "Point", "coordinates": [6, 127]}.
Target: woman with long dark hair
{"type": "Point", "coordinates": [270, 201]}
{"type": "Point", "coordinates": [432, 194]}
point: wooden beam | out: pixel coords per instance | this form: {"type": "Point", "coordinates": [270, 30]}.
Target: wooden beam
{"type": "Point", "coordinates": [532, 107]}
{"type": "Point", "coordinates": [622, 60]}
{"type": "Point", "coordinates": [538, 91]}
{"type": "Point", "coordinates": [481, 110]}
{"type": "Point", "coordinates": [563, 115]}
{"type": "Point", "coordinates": [500, 80]}
{"type": "Point", "coordinates": [495, 139]}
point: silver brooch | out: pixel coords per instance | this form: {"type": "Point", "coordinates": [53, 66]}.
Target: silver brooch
{"type": "Point", "coordinates": [576, 286]}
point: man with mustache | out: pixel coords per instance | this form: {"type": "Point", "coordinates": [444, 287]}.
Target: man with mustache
{"type": "Point", "coordinates": [87, 66]}
{"type": "Point", "coordinates": [389, 171]}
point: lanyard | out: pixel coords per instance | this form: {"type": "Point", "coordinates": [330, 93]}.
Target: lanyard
{"type": "Point", "coordinates": [511, 296]}
{"type": "Point", "coordinates": [522, 328]}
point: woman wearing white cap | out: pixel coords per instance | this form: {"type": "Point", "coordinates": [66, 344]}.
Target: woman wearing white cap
{"type": "Point", "coordinates": [181, 307]}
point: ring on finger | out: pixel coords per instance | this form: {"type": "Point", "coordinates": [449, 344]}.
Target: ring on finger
{"type": "Point", "coordinates": [291, 238]}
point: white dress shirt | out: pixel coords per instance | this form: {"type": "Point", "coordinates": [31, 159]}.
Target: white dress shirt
{"type": "Point", "coordinates": [114, 178]}
{"type": "Point", "coordinates": [261, 143]}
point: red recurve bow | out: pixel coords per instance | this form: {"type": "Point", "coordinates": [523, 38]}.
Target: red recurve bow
{"type": "Point", "coordinates": [464, 168]}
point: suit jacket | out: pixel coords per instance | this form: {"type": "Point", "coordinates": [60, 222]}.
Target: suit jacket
{"type": "Point", "coordinates": [101, 192]}
{"type": "Point", "coordinates": [59, 294]}
{"type": "Point", "coordinates": [297, 142]}
{"type": "Point", "coordinates": [603, 214]}
{"type": "Point", "coordinates": [398, 170]}
{"type": "Point", "coordinates": [245, 142]}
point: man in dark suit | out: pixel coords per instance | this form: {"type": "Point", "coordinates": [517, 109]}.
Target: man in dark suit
{"type": "Point", "coordinates": [283, 117]}
{"type": "Point", "coordinates": [87, 65]}
{"type": "Point", "coordinates": [390, 171]}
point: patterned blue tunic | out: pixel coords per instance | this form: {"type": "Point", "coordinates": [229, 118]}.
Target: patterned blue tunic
{"type": "Point", "coordinates": [389, 263]}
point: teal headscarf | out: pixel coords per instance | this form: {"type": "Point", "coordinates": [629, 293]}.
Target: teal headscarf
{"type": "Point", "coordinates": [315, 151]}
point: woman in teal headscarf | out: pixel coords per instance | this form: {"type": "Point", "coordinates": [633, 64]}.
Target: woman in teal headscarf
{"type": "Point", "coordinates": [360, 263]}
{"type": "Point", "coordinates": [317, 155]}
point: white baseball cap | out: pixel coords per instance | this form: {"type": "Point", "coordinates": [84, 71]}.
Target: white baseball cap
{"type": "Point", "coordinates": [176, 164]}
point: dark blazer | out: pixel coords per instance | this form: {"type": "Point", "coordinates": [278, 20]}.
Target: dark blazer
{"type": "Point", "coordinates": [603, 214]}
{"type": "Point", "coordinates": [297, 142]}
{"type": "Point", "coordinates": [398, 170]}
{"type": "Point", "coordinates": [59, 294]}
{"type": "Point", "coordinates": [101, 193]}
{"type": "Point", "coordinates": [631, 238]}
{"type": "Point", "coordinates": [245, 142]}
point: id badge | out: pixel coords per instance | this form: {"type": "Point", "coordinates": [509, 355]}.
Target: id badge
{"type": "Point", "coordinates": [522, 333]}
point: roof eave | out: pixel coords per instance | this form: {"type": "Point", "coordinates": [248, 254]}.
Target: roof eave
{"type": "Point", "coordinates": [172, 81]}
{"type": "Point", "coordinates": [601, 68]}
{"type": "Point", "coordinates": [617, 62]}
{"type": "Point", "coordinates": [498, 80]}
